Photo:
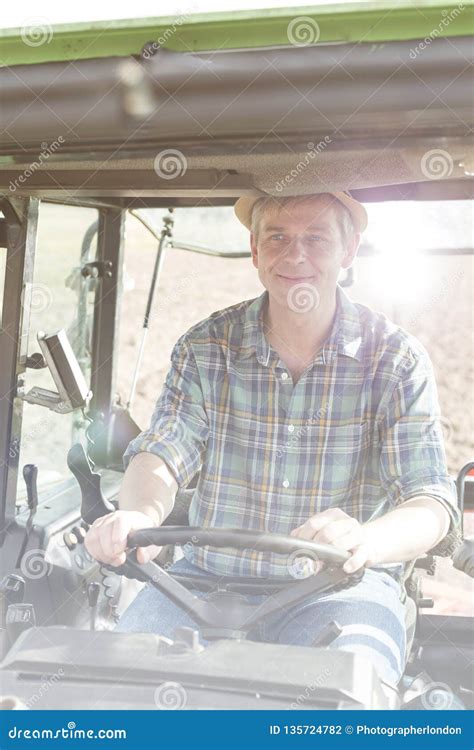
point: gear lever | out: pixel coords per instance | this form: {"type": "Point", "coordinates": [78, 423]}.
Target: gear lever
{"type": "Point", "coordinates": [93, 590]}
{"type": "Point", "coordinates": [30, 475]}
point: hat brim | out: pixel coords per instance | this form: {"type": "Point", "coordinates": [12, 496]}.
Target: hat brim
{"type": "Point", "coordinates": [244, 207]}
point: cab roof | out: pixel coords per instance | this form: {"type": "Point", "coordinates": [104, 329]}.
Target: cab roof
{"type": "Point", "coordinates": [369, 97]}
{"type": "Point", "coordinates": [368, 22]}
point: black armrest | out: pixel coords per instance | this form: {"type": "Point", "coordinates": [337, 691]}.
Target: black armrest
{"type": "Point", "coordinates": [179, 516]}
{"type": "Point", "coordinates": [464, 557]}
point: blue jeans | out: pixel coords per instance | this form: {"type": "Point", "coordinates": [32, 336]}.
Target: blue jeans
{"type": "Point", "coordinates": [370, 613]}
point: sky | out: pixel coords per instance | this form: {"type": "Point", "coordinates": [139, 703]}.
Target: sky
{"type": "Point", "coordinates": [20, 14]}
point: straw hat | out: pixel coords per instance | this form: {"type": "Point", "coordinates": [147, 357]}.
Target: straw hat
{"type": "Point", "coordinates": [244, 207]}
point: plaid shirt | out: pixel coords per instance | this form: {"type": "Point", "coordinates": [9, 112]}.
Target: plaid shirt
{"type": "Point", "coordinates": [359, 431]}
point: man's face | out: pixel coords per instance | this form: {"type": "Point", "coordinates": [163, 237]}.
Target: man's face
{"type": "Point", "coordinates": [301, 243]}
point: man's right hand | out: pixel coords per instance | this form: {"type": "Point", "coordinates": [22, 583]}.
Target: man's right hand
{"type": "Point", "coordinates": [106, 539]}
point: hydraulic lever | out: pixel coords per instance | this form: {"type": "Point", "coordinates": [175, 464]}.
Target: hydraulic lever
{"type": "Point", "coordinates": [30, 475]}
{"type": "Point", "coordinates": [165, 236]}
{"type": "Point", "coordinates": [94, 505]}
{"type": "Point", "coordinates": [93, 590]}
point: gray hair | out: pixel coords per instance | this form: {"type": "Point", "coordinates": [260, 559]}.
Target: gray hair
{"type": "Point", "coordinates": [344, 217]}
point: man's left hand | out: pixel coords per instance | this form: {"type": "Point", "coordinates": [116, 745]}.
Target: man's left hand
{"type": "Point", "coordinates": [336, 528]}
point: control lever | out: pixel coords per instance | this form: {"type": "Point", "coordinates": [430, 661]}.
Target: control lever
{"type": "Point", "coordinates": [30, 475]}
{"type": "Point", "coordinates": [94, 505]}
{"type": "Point", "coordinates": [328, 635]}
{"type": "Point", "coordinates": [93, 590]}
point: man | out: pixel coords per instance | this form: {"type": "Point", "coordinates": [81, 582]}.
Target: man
{"type": "Point", "coordinates": [306, 415]}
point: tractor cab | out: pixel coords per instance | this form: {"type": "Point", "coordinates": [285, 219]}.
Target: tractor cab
{"type": "Point", "coordinates": [123, 149]}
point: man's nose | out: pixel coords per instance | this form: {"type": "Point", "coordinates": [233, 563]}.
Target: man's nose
{"type": "Point", "coordinates": [295, 250]}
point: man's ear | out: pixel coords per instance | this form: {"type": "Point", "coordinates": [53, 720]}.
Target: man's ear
{"type": "Point", "coordinates": [253, 247]}
{"type": "Point", "coordinates": [351, 250]}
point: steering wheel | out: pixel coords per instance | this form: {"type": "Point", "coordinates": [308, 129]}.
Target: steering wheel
{"type": "Point", "coordinates": [226, 613]}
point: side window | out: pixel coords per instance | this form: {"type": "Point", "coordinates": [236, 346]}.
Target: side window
{"type": "Point", "coordinates": [419, 273]}
{"type": "Point", "coordinates": [60, 298]}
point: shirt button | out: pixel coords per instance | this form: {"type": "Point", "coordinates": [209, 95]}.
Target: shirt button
{"type": "Point", "coordinates": [284, 376]}
{"type": "Point", "coordinates": [291, 428]}
{"type": "Point", "coordinates": [286, 483]}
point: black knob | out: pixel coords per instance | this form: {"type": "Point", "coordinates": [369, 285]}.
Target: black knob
{"type": "Point", "coordinates": [426, 602]}
{"type": "Point", "coordinates": [36, 361]}
{"type": "Point", "coordinates": [80, 533]}
{"type": "Point", "coordinates": [93, 590]}
{"type": "Point", "coordinates": [30, 475]}
{"type": "Point", "coordinates": [70, 540]}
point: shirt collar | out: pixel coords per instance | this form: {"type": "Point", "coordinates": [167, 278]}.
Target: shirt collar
{"type": "Point", "coordinates": [347, 327]}
{"type": "Point", "coordinates": [345, 337]}
{"type": "Point", "coordinates": [253, 338]}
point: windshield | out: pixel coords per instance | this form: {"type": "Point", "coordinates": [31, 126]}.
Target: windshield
{"type": "Point", "coordinates": [409, 267]}
{"type": "Point", "coordinates": [413, 266]}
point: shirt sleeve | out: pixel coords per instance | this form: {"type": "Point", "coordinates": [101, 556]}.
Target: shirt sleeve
{"type": "Point", "coordinates": [179, 425]}
{"type": "Point", "coordinates": [412, 455]}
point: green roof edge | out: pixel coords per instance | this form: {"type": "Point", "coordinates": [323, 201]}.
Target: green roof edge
{"type": "Point", "coordinates": [371, 22]}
